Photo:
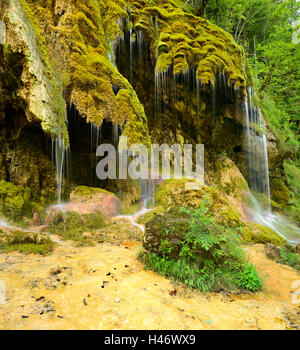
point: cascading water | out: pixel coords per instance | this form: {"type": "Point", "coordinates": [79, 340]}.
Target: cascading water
{"type": "Point", "coordinates": [258, 180]}
{"type": "Point", "coordinates": [148, 188]}
{"type": "Point", "coordinates": [256, 145]}
{"type": "Point", "coordinates": [60, 159]}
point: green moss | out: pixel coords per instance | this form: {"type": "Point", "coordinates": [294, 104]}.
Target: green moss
{"type": "Point", "coordinates": [229, 178]}
{"type": "Point", "coordinates": [14, 201]}
{"type": "Point", "coordinates": [187, 41]}
{"type": "Point", "coordinates": [292, 209]}
{"type": "Point", "coordinates": [78, 228]}
{"type": "Point", "coordinates": [279, 191]}
{"type": "Point", "coordinates": [25, 242]}
{"type": "Point", "coordinates": [255, 233]}
{"type": "Point", "coordinates": [85, 192]}
{"type": "Point", "coordinates": [176, 193]}
{"type": "Point", "coordinates": [150, 215]}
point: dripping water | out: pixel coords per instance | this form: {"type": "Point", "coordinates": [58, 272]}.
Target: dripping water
{"type": "Point", "coordinates": [130, 56]}
{"type": "Point", "coordinates": [256, 144]}
{"type": "Point", "coordinates": [259, 181]}
{"type": "Point", "coordinates": [60, 155]}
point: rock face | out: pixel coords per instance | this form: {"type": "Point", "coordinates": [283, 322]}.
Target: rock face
{"type": "Point", "coordinates": [95, 65]}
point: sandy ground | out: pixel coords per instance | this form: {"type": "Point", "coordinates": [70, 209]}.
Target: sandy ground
{"type": "Point", "coordinates": [106, 288]}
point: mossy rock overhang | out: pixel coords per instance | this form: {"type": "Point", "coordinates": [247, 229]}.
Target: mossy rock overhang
{"type": "Point", "coordinates": [66, 50]}
{"type": "Point", "coordinates": [185, 41]}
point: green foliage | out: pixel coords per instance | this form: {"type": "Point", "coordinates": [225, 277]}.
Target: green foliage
{"type": "Point", "coordinates": [76, 227]}
{"type": "Point", "coordinates": [25, 242]}
{"type": "Point", "coordinates": [210, 257]}
{"type": "Point", "coordinates": [14, 201]}
{"type": "Point", "coordinates": [287, 255]}
{"type": "Point", "coordinates": [289, 258]}
{"type": "Point", "coordinates": [249, 279]}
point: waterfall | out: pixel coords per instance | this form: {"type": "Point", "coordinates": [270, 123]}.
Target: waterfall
{"type": "Point", "coordinates": [258, 179]}
{"type": "Point", "coordinates": [60, 155]}
{"type": "Point", "coordinates": [256, 146]}
{"type": "Point", "coordinates": [140, 45]}
{"type": "Point", "coordinates": [116, 135]}
{"type": "Point", "coordinates": [130, 56]}
{"type": "Point", "coordinates": [279, 224]}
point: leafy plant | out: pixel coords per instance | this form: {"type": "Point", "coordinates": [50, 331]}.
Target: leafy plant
{"type": "Point", "coordinates": [209, 256]}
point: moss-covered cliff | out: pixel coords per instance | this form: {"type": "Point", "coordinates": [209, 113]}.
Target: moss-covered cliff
{"type": "Point", "coordinates": [145, 69]}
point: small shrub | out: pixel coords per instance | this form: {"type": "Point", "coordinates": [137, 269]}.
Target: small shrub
{"type": "Point", "coordinates": [193, 248]}
{"type": "Point", "coordinates": [249, 279]}
{"type": "Point", "coordinates": [286, 255]}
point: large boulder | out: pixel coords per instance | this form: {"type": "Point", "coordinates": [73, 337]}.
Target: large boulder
{"type": "Point", "coordinates": [176, 193]}
{"type": "Point", "coordinates": [230, 180]}
{"type": "Point", "coordinates": [86, 200]}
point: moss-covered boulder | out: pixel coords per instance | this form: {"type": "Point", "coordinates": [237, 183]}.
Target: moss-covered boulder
{"type": "Point", "coordinates": [81, 228]}
{"type": "Point", "coordinates": [230, 180]}
{"type": "Point", "coordinates": [255, 233]}
{"type": "Point", "coordinates": [190, 246]}
{"type": "Point", "coordinates": [25, 242]}
{"type": "Point", "coordinates": [287, 255]}
{"type": "Point", "coordinates": [172, 193]}
{"type": "Point", "coordinates": [279, 191]}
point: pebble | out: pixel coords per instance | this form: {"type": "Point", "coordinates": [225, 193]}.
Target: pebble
{"type": "Point", "coordinates": [117, 300]}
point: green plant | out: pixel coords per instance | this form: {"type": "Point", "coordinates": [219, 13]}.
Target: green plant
{"type": "Point", "coordinates": [207, 256]}
{"type": "Point", "coordinates": [249, 279]}
{"type": "Point", "coordinates": [289, 258]}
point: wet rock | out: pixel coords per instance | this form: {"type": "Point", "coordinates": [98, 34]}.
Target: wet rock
{"type": "Point", "coordinates": [36, 220]}
{"type": "Point", "coordinates": [86, 200]}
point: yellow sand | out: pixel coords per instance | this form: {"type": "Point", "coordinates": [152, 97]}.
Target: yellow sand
{"type": "Point", "coordinates": [134, 298]}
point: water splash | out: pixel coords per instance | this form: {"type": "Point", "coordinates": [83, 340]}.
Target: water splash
{"type": "Point", "coordinates": [148, 188]}
{"type": "Point", "coordinates": [277, 223]}
{"type": "Point", "coordinates": [4, 224]}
